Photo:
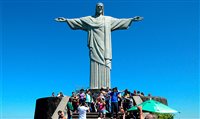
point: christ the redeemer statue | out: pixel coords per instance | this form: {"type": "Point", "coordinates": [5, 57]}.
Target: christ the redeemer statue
{"type": "Point", "coordinates": [99, 28]}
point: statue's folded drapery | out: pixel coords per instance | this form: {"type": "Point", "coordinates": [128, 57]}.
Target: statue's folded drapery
{"type": "Point", "coordinates": [99, 44]}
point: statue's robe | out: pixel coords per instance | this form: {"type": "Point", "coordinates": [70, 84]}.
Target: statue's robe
{"type": "Point", "coordinates": [99, 43]}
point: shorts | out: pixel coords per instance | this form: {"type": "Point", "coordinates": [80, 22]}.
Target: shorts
{"type": "Point", "coordinates": [103, 111]}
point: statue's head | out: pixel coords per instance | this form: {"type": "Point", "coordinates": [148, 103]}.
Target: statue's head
{"type": "Point", "coordinates": [99, 9]}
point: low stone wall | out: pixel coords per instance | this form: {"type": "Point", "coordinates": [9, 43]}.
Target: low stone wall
{"type": "Point", "coordinates": [45, 107]}
{"type": "Point", "coordinates": [159, 99]}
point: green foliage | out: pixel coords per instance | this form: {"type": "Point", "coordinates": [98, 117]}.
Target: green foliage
{"type": "Point", "coordinates": [165, 116]}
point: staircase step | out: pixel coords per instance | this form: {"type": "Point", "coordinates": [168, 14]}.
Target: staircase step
{"type": "Point", "coordinates": [93, 115]}
{"type": "Point", "coordinates": [89, 115]}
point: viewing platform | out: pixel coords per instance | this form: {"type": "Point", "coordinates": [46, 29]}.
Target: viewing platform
{"type": "Point", "coordinates": [47, 108]}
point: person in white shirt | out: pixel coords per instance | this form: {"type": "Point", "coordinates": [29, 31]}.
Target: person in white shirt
{"type": "Point", "coordinates": [82, 110]}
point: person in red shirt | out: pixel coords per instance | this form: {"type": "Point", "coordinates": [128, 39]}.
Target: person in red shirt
{"type": "Point", "coordinates": [102, 108]}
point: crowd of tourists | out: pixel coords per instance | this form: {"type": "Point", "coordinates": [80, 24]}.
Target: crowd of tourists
{"type": "Point", "coordinates": [105, 101]}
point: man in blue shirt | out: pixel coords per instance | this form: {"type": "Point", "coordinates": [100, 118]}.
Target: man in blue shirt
{"type": "Point", "coordinates": [114, 102]}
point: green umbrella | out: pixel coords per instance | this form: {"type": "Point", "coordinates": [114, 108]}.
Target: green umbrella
{"type": "Point", "coordinates": [154, 106]}
{"type": "Point", "coordinates": [133, 108]}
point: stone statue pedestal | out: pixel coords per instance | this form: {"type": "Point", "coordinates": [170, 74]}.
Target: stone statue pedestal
{"type": "Point", "coordinates": [95, 90]}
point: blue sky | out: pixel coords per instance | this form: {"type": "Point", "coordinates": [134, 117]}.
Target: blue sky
{"type": "Point", "coordinates": [159, 55]}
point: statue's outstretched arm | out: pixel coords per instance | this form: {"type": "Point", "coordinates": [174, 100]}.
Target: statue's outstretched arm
{"type": "Point", "coordinates": [60, 19]}
{"type": "Point", "coordinates": [137, 18]}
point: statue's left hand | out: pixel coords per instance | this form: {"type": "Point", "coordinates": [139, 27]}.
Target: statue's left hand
{"type": "Point", "coordinates": [60, 19]}
{"type": "Point", "coordinates": [137, 18]}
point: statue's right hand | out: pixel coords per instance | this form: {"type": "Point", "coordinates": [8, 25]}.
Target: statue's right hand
{"type": "Point", "coordinates": [60, 19]}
